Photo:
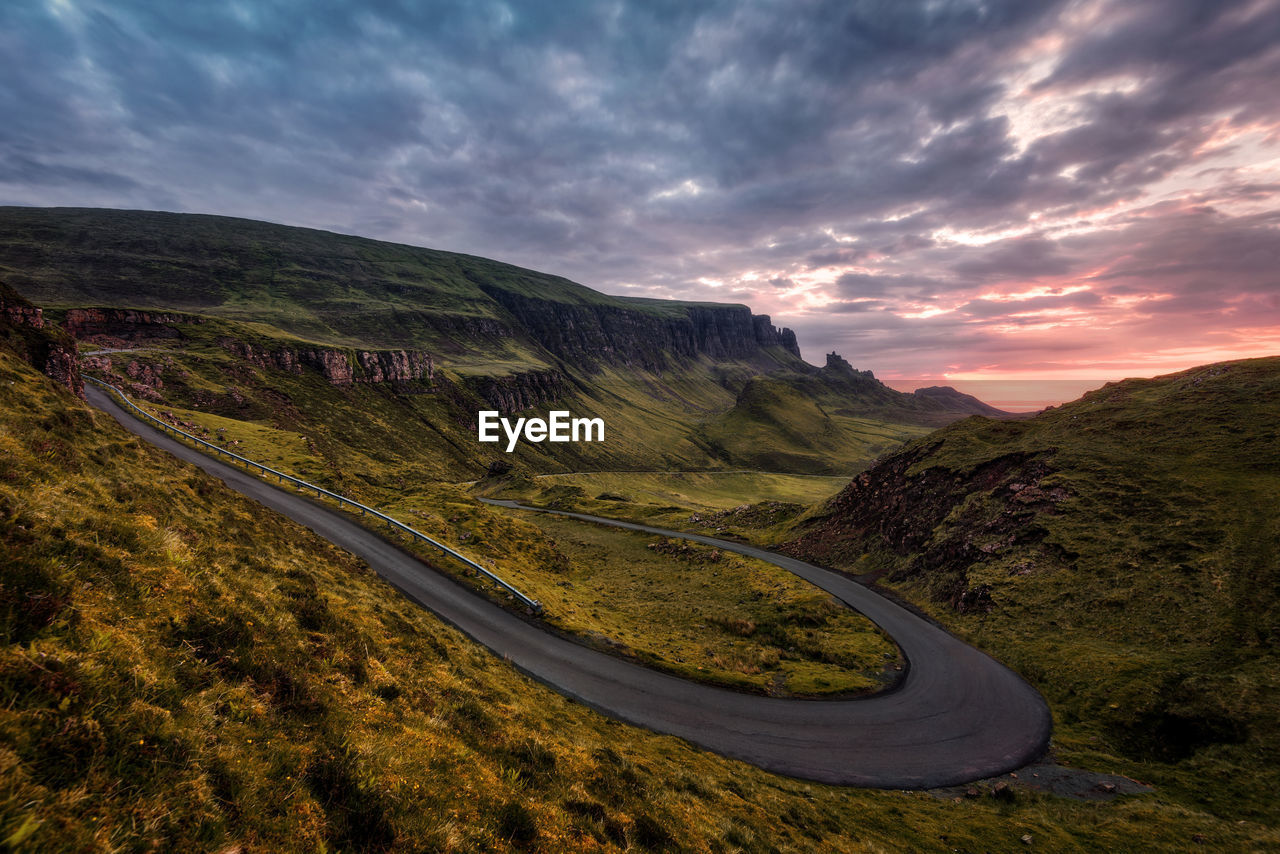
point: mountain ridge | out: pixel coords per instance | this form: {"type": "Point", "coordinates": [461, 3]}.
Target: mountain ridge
{"type": "Point", "coordinates": [178, 294]}
{"type": "Point", "coordinates": [345, 290]}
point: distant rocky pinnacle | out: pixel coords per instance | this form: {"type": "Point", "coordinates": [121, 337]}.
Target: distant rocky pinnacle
{"type": "Point", "coordinates": [838, 363]}
{"type": "Point", "coordinates": [838, 368]}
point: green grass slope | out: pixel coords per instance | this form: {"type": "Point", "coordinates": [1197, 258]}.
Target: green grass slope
{"type": "Point", "coordinates": [776, 425]}
{"type": "Point", "coordinates": [720, 490]}
{"type": "Point", "coordinates": [828, 420]}
{"type": "Point", "coordinates": [1122, 552]}
{"type": "Point", "coordinates": [321, 286]}
{"type": "Point", "coordinates": [699, 612]}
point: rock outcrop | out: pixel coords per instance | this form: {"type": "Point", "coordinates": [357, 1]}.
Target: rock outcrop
{"type": "Point", "coordinates": [524, 390]}
{"type": "Point", "coordinates": [120, 326]}
{"type": "Point", "coordinates": [380, 366]}
{"type": "Point", "coordinates": [839, 372]}
{"type": "Point", "coordinates": [928, 516]}
{"type": "Point", "coordinates": [340, 366]}
{"type": "Point", "coordinates": [768, 335]}
{"type": "Point", "coordinates": [838, 366]}
{"type": "Point", "coordinates": [18, 312]}
{"type": "Point", "coordinates": [50, 350]}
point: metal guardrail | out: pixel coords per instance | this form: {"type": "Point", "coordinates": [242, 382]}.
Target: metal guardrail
{"type": "Point", "coordinates": [320, 492]}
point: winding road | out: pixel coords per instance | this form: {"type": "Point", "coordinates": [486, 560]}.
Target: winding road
{"type": "Point", "coordinates": [957, 716]}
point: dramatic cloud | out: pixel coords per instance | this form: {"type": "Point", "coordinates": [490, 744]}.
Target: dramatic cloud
{"type": "Point", "coordinates": [977, 188]}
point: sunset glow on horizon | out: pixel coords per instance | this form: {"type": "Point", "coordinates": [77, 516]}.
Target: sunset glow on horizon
{"type": "Point", "coordinates": [980, 191]}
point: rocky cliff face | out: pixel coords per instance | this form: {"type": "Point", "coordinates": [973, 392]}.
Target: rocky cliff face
{"type": "Point", "coordinates": [340, 367]}
{"type": "Point", "coordinates": [137, 377]}
{"type": "Point", "coordinates": [387, 365]}
{"type": "Point", "coordinates": [117, 327]}
{"type": "Point", "coordinates": [61, 363]}
{"type": "Point", "coordinates": [18, 312]}
{"type": "Point", "coordinates": [590, 335]}
{"type": "Point", "coordinates": [768, 335]}
{"type": "Point", "coordinates": [24, 328]}
{"type": "Point", "coordinates": [942, 520]}
{"type": "Point", "coordinates": [515, 392]}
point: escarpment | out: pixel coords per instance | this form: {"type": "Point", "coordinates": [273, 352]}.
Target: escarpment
{"type": "Point", "coordinates": [119, 327]}
{"type": "Point", "coordinates": [523, 390]}
{"type": "Point", "coordinates": [132, 329]}
{"type": "Point", "coordinates": [607, 333]}
{"type": "Point", "coordinates": [339, 366]}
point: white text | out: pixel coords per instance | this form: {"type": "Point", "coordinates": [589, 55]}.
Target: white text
{"type": "Point", "coordinates": [559, 427]}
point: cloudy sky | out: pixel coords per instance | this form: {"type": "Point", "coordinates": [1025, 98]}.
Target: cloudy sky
{"type": "Point", "coordinates": [971, 189]}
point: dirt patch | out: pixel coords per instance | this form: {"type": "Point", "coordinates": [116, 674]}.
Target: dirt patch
{"type": "Point", "coordinates": [1074, 783]}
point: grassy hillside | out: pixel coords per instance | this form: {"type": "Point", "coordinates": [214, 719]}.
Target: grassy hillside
{"type": "Point", "coordinates": [698, 490]}
{"type": "Point", "coordinates": [828, 420]}
{"type": "Point", "coordinates": [179, 671]}
{"type": "Point", "coordinates": [318, 285]}
{"type": "Point", "coordinates": [699, 612]}
{"type": "Point", "coordinates": [398, 435]}
{"type": "Point", "coordinates": [1122, 552]}
{"type": "Point", "coordinates": [777, 426]}
{"type": "Point", "coordinates": [255, 297]}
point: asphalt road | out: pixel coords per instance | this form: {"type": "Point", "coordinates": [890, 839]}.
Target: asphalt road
{"type": "Point", "coordinates": [957, 716]}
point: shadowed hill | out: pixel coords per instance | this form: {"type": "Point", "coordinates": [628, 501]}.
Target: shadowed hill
{"type": "Point", "coordinates": [958, 401]}
{"type": "Point", "coordinates": [845, 390]}
{"type": "Point", "coordinates": [1122, 551]}
{"type": "Point", "coordinates": [779, 424]}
